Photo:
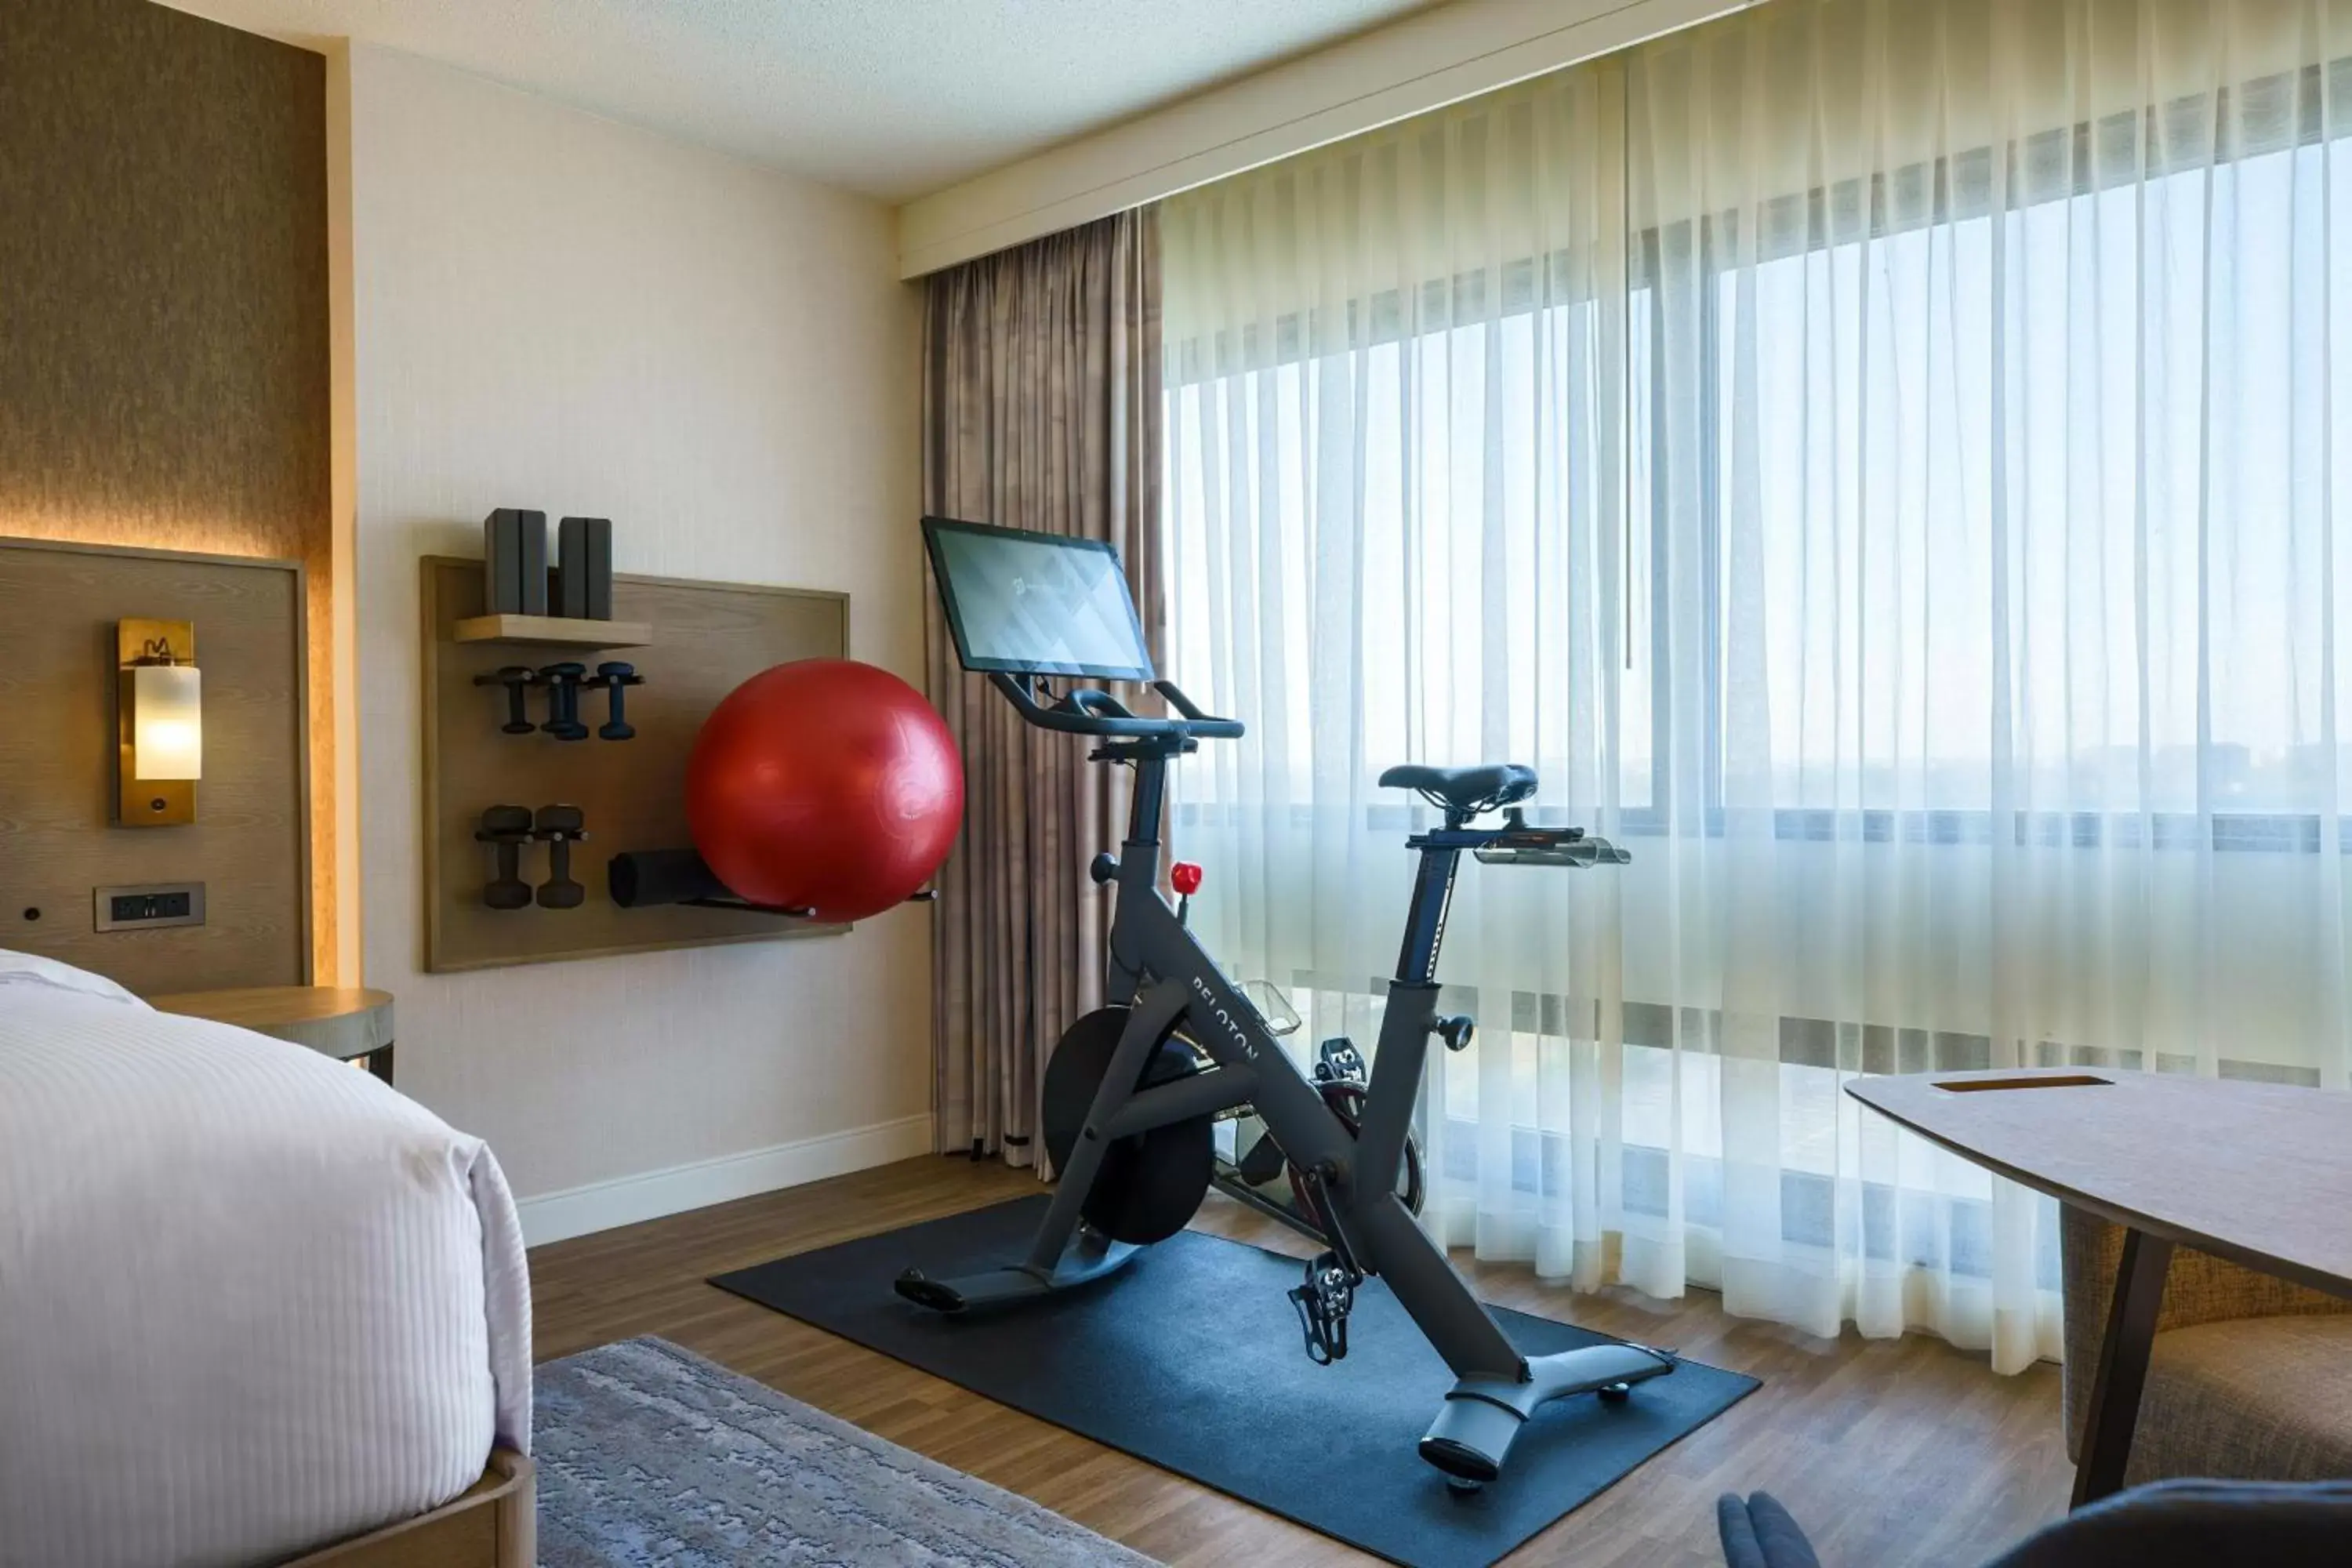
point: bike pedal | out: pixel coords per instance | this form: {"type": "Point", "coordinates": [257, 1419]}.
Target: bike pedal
{"type": "Point", "coordinates": [1323, 1300]}
{"type": "Point", "coordinates": [1338, 1060]}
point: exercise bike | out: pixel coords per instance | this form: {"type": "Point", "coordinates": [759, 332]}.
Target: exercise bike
{"type": "Point", "coordinates": [1133, 1093]}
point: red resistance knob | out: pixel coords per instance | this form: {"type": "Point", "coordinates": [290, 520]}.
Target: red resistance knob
{"type": "Point", "coordinates": [1186, 877]}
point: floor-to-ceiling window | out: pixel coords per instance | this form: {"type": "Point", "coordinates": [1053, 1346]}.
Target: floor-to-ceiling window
{"type": "Point", "coordinates": [1878, 461]}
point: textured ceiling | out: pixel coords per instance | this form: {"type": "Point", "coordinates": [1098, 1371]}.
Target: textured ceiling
{"type": "Point", "coordinates": [892, 98]}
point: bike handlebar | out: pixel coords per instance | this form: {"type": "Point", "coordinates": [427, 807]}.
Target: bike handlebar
{"type": "Point", "coordinates": [1084, 710]}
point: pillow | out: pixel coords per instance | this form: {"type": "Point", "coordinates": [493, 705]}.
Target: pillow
{"type": "Point", "coordinates": [24, 968]}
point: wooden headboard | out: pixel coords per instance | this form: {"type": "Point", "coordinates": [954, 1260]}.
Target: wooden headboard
{"type": "Point", "coordinates": [250, 842]}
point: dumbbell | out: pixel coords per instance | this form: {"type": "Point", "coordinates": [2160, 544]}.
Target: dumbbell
{"type": "Point", "coordinates": [515, 677]}
{"type": "Point", "coordinates": [616, 679]}
{"type": "Point", "coordinates": [560, 827]}
{"type": "Point", "coordinates": [508, 827]}
{"type": "Point", "coordinates": [564, 701]}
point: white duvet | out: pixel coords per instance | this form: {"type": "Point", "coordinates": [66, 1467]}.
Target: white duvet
{"type": "Point", "coordinates": [251, 1300]}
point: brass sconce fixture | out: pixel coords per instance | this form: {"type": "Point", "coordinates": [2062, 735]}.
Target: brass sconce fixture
{"type": "Point", "coordinates": [158, 698]}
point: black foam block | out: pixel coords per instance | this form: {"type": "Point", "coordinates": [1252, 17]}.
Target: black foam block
{"type": "Point", "coordinates": [583, 571]}
{"type": "Point", "coordinates": [502, 561]}
{"type": "Point", "coordinates": [531, 529]}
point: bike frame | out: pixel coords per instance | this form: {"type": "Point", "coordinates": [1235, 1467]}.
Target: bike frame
{"type": "Point", "coordinates": [1159, 970]}
{"type": "Point", "coordinates": [1168, 982]}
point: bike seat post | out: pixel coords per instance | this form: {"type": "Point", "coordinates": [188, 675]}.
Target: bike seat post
{"type": "Point", "coordinates": [1425, 929]}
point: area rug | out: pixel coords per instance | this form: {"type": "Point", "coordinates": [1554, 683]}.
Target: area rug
{"type": "Point", "coordinates": [1190, 1358]}
{"type": "Point", "coordinates": [650, 1455]}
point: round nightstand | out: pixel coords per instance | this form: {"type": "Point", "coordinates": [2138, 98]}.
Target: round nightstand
{"type": "Point", "coordinates": [350, 1024]}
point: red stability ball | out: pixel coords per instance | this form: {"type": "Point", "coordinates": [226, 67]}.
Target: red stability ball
{"type": "Point", "coordinates": [824, 784]}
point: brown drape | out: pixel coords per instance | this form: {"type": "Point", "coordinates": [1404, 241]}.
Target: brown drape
{"type": "Point", "coordinates": [1040, 410]}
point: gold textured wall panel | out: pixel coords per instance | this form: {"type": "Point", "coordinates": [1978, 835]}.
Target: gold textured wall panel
{"type": "Point", "coordinates": [163, 307]}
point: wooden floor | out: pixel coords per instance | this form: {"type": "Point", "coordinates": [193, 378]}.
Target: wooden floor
{"type": "Point", "coordinates": [1890, 1451]}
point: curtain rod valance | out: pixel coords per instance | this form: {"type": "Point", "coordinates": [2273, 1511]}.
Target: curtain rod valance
{"type": "Point", "coordinates": [1818, 122]}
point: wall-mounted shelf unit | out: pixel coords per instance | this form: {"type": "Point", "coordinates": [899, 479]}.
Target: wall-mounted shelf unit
{"type": "Point", "coordinates": [706, 639]}
{"type": "Point", "coordinates": [552, 631]}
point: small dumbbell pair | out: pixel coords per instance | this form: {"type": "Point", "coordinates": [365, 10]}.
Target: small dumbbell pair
{"type": "Point", "coordinates": [509, 829]}
{"type": "Point", "coordinates": [564, 683]}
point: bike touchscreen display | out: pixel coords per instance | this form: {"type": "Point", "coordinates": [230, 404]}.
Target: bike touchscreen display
{"type": "Point", "coordinates": [1036, 603]}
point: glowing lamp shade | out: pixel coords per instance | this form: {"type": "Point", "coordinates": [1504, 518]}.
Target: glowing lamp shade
{"type": "Point", "coordinates": [167, 725]}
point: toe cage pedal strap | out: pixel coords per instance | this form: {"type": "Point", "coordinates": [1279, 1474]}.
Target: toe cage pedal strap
{"type": "Point", "coordinates": [1327, 1294]}
{"type": "Point", "coordinates": [1324, 1300]}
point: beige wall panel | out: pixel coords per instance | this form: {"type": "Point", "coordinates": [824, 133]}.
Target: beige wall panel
{"type": "Point", "coordinates": [58, 606]}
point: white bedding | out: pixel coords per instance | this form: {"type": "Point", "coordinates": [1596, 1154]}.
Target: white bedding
{"type": "Point", "coordinates": [251, 1300]}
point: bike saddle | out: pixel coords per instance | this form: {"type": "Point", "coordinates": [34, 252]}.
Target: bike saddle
{"type": "Point", "coordinates": [1468, 790]}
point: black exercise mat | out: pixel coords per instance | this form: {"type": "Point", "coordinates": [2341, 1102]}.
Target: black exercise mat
{"type": "Point", "coordinates": [1190, 1358]}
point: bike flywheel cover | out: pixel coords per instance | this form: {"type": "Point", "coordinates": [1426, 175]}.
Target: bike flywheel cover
{"type": "Point", "coordinates": [1149, 1186]}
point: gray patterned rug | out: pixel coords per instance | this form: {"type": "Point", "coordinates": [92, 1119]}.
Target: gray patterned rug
{"type": "Point", "coordinates": [649, 1454]}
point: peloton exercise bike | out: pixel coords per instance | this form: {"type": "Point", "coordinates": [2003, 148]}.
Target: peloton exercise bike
{"type": "Point", "coordinates": [1133, 1091]}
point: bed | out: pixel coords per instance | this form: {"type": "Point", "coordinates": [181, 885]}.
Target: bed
{"type": "Point", "coordinates": [255, 1305]}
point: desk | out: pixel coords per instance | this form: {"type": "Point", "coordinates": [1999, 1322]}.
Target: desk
{"type": "Point", "coordinates": [347, 1024]}
{"type": "Point", "coordinates": [2260, 1173]}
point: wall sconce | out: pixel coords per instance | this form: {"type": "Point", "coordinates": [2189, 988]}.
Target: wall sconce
{"type": "Point", "coordinates": [160, 722]}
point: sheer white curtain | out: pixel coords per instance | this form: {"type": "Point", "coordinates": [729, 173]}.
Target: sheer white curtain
{"type": "Point", "coordinates": [1878, 461]}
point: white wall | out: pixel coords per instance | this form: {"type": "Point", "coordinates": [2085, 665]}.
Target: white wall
{"type": "Point", "coordinates": [555, 310]}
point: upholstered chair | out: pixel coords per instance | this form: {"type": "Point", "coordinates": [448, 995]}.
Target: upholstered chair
{"type": "Point", "coordinates": [2251, 1377]}
{"type": "Point", "coordinates": [2166, 1524]}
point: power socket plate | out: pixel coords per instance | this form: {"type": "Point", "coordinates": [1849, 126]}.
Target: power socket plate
{"type": "Point", "coordinates": [146, 908]}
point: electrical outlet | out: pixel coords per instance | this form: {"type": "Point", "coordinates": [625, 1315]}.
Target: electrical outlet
{"type": "Point", "coordinates": [143, 908]}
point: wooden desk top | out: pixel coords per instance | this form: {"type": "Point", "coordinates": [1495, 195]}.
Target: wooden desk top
{"type": "Point", "coordinates": [2257, 1173]}
{"type": "Point", "coordinates": [342, 1022]}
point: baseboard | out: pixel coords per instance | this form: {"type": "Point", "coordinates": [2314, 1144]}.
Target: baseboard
{"type": "Point", "coordinates": [626, 1200]}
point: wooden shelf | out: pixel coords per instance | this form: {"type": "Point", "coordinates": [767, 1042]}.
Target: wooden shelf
{"type": "Point", "coordinates": [553, 631]}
